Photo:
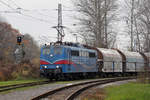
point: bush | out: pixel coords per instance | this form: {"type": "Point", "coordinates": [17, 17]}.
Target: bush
{"type": "Point", "coordinates": [30, 64]}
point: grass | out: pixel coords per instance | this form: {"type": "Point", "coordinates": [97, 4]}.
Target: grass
{"type": "Point", "coordinates": [129, 91]}
{"type": "Point", "coordinates": [20, 81]}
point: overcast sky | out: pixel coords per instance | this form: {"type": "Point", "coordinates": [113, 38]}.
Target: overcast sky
{"type": "Point", "coordinates": [39, 16]}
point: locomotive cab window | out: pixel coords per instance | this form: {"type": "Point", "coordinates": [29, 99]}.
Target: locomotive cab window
{"type": "Point", "coordinates": [57, 51]}
{"type": "Point", "coordinates": [92, 55]}
{"type": "Point", "coordinates": [74, 53]}
{"type": "Point", "coordinates": [46, 51]}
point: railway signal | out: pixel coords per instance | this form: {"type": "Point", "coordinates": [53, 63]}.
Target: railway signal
{"type": "Point", "coordinates": [19, 51]}
{"type": "Point", "coordinates": [19, 40]}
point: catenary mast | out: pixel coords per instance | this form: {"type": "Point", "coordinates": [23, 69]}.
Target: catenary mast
{"type": "Point", "coordinates": [60, 27]}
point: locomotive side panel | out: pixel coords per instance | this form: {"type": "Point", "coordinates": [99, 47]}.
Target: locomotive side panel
{"type": "Point", "coordinates": [83, 60]}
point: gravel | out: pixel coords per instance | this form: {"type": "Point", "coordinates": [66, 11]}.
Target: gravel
{"type": "Point", "coordinates": [29, 93]}
{"type": "Point", "coordinates": [101, 93]}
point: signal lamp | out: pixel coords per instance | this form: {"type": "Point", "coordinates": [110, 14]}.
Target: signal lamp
{"type": "Point", "coordinates": [19, 39]}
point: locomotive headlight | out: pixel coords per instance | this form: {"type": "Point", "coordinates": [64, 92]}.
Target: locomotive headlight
{"type": "Point", "coordinates": [57, 66]}
{"type": "Point", "coordinates": [51, 55]}
{"type": "Point", "coordinates": [45, 66]}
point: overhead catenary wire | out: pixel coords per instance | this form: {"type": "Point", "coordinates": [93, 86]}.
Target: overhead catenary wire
{"type": "Point", "coordinates": [14, 3]}
{"type": "Point", "coordinates": [27, 19]}
{"type": "Point", "coordinates": [34, 10]}
{"type": "Point", "coordinates": [19, 12]}
{"type": "Point", "coordinates": [6, 4]}
{"type": "Point", "coordinates": [26, 13]}
{"type": "Point", "coordinates": [35, 18]}
{"type": "Point", "coordinates": [46, 21]}
{"type": "Point", "coordinates": [38, 11]}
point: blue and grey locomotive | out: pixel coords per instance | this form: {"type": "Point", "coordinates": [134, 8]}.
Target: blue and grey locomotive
{"type": "Point", "coordinates": [67, 60]}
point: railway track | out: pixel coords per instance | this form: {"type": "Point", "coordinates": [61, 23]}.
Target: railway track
{"type": "Point", "coordinates": [11, 87]}
{"type": "Point", "coordinates": [72, 91]}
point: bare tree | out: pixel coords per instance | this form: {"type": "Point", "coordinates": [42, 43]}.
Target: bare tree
{"type": "Point", "coordinates": [96, 18]}
{"type": "Point", "coordinates": [138, 23]}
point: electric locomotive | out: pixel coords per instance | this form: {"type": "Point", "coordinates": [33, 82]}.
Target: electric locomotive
{"type": "Point", "coordinates": [67, 60]}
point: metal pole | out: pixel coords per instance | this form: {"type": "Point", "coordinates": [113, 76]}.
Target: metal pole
{"type": "Point", "coordinates": [132, 13]}
{"type": "Point", "coordinates": [76, 37]}
{"type": "Point", "coordinates": [106, 23]}
{"type": "Point", "coordinates": [59, 27]}
{"type": "Point", "coordinates": [148, 42]}
{"type": "Point", "coordinates": [60, 21]}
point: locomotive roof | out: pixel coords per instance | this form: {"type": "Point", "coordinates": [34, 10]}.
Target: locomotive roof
{"type": "Point", "coordinates": [80, 48]}
{"type": "Point", "coordinates": [73, 47]}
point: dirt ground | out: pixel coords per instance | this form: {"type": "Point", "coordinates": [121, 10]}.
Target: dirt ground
{"type": "Point", "coordinates": [98, 93]}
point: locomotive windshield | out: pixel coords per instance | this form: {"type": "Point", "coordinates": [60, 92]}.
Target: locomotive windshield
{"type": "Point", "coordinates": [46, 51]}
{"type": "Point", "coordinates": [57, 51]}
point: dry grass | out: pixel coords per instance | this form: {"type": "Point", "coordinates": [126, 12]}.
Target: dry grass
{"type": "Point", "coordinates": [143, 77]}
{"type": "Point", "coordinates": [93, 94]}
{"type": "Point", "coordinates": [27, 69]}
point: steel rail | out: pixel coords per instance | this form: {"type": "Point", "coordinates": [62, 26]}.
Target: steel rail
{"type": "Point", "coordinates": [98, 81]}
{"type": "Point", "coordinates": [15, 86]}
{"type": "Point", "coordinates": [79, 91]}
